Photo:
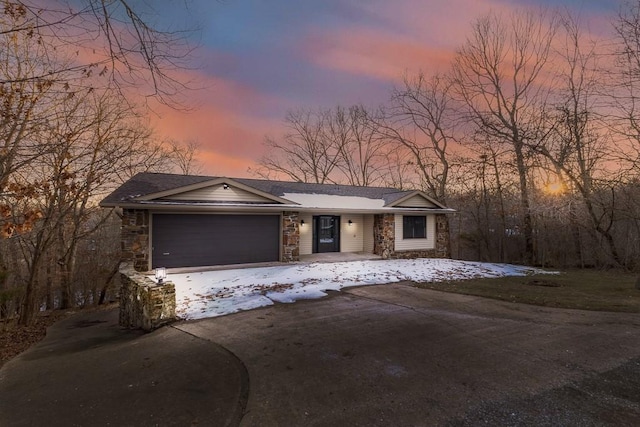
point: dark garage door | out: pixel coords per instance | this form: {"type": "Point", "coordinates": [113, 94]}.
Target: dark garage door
{"type": "Point", "coordinates": [181, 240]}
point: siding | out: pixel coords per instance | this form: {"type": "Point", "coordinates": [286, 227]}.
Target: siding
{"type": "Point", "coordinates": [351, 236]}
{"type": "Point", "coordinates": [367, 244]}
{"type": "Point", "coordinates": [217, 193]}
{"type": "Point", "coordinates": [415, 244]}
{"type": "Point", "coordinates": [416, 201]}
{"type": "Point", "coordinates": [306, 234]}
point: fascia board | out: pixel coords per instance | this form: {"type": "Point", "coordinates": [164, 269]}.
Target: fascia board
{"type": "Point", "coordinates": [211, 183]}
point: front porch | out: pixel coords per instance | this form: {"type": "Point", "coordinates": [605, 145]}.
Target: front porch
{"type": "Point", "coordinates": [339, 257]}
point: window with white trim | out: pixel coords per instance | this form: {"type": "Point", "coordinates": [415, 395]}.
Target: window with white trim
{"type": "Point", "coordinates": [414, 227]}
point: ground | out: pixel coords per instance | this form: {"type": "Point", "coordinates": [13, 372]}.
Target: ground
{"type": "Point", "coordinates": [14, 338]}
{"type": "Point", "coordinates": [374, 355]}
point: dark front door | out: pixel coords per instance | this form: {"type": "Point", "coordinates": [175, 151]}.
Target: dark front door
{"type": "Point", "coordinates": [326, 231]}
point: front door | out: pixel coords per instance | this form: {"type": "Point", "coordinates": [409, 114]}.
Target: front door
{"type": "Point", "coordinates": [326, 233]}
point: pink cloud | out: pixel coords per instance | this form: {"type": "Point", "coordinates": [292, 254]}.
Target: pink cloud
{"type": "Point", "coordinates": [374, 54]}
{"type": "Point", "coordinates": [225, 122]}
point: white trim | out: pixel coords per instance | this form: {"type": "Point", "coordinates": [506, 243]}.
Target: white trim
{"type": "Point", "coordinates": [211, 183]}
{"type": "Point", "coordinates": [417, 193]}
{"type": "Point", "coordinates": [401, 244]}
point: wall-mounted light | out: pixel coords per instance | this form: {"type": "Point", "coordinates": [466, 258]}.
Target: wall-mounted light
{"type": "Point", "coordinates": [350, 222]}
{"type": "Point", "coordinates": [302, 223]}
{"type": "Point", "coordinates": [225, 186]}
{"type": "Point", "coordinates": [161, 274]}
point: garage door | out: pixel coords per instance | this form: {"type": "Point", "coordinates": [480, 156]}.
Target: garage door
{"type": "Point", "coordinates": [180, 240]}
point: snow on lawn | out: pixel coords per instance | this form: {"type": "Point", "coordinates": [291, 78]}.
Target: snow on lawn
{"type": "Point", "coordinates": [215, 293]}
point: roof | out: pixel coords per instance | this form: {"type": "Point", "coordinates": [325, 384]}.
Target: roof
{"type": "Point", "coordinates": [144, 187]}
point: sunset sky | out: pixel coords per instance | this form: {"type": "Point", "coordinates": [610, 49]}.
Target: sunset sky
{"type": "Point", "coordinates": [258, 59]}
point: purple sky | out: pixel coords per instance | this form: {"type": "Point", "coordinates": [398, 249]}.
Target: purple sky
{"type": "Point", "coordinates": [258, 59]}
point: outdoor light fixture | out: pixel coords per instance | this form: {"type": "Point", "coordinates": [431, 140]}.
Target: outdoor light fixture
{"type": "Point", "coordinates": [301, 222]}
{"type": "Point", "coordinates": [225, 186]}
{"type": "Point", "coordinates": [161, 274]}
{"type": "Point", "coordinates": [350, 222]}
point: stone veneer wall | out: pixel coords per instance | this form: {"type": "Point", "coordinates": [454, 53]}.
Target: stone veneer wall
{"type": "Point", "coordinates": [143, 303]}
{"type": "Point", "coordinates": [443, 237]}
{"type": "Point", "coordinates": [135, 238]}
{"type": "Point", "coordinates": [290, 237]}
{"type": "Point", "coordinates": [384, 235]}
{"type": "Point", "coordinates": [384, 238]}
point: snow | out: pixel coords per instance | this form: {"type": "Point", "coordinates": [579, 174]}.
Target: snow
{"type": "Point", "coordinates": [219, 292]}
{"type": "Point", "coordinates": [331, 201]}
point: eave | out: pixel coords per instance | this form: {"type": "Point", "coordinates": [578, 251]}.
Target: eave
{"type": "Point", "coordinates": [244, 207]}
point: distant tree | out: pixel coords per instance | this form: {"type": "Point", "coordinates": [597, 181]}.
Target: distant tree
{"type": "Point", "coordinates": [184, 156]}
{"type": "Point", "coordinates": [361, 147]}
{"type": "Point", "coordinates": [499, 74]}
{"type": "Point", "coordinates": [422, 121]}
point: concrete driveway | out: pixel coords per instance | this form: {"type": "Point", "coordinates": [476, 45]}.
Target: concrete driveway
{"type": "Point", "coordinates": [389, 355]}
{"type": "Point", "coordinates": [395, 355]}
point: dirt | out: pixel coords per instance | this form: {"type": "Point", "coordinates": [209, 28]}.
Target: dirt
{"type": "Point", "coordinates": [14, 338]}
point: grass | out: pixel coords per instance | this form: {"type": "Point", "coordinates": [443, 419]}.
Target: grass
{"type": "Point", "coordinates": [578, 289]}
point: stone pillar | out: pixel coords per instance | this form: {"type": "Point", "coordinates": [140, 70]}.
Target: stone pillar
{"type": "Point", "coordinates": [143, 303]}
{"type": "Point", "coordinates": [384, 235]}
{"type": "Point", "coordinates": [290, 237]}
{"type": "Point", "coordinates": [443, 237]}
{"type": "Point", "coordinates": [135, 238]}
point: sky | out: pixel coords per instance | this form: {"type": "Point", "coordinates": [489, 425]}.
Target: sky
{"type": "Point", "coordinates": [216, 293]}
{"type": "Point", "coordinates": [257, 59]}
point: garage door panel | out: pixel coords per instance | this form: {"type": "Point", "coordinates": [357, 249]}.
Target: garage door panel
{"type": "Point", "coordinates": [181, 240]}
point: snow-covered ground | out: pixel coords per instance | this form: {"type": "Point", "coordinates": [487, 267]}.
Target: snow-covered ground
{"type": "Point", "coordinates": [215, 293]}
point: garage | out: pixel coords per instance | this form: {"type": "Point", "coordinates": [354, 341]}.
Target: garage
{"type": "Point", "coordinates": [192, 240]}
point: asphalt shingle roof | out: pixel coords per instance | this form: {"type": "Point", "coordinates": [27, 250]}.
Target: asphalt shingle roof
{"type": "Point", "coordinates": [149, 183]}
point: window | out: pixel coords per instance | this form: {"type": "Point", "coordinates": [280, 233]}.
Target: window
{"type": "Point", "coordinates": [414, 227]}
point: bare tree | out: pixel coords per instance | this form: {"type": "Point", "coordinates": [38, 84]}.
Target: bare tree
{"type": "Point", "coordinates": [578, 145]}
{"type": "Point", "coordinates": [184, 156]}
{"type": "Point", "coordinates": [361, 150]}
{"type": "Point", "coordinates": [499, 74]}
{"type": "Point", "coordinates": [423, 121]}
{"type": "Point", "coordinates": [304, 153]}
{"type": "Point", "coordinates": [115, 34]}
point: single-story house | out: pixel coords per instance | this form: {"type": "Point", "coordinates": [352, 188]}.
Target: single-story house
{"type": "Point", "coordinates": [186, 221]}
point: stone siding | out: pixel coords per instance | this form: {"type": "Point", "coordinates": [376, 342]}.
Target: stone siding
{"type": "Point", "coordinates": [384, 239]}
{"type": "Point", "coordinates": [384, 235]}
{"type": "Point", "coordinates": [135, 238]}
{"type": "Point", "coordinates": [290, 237]}
{"type": "Point", "coordinates": [443, 237]}
{"type": "Point", "coordinates": [143, 303]}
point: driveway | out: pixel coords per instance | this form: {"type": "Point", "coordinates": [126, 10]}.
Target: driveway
{"type": "Point", "coordinates": [402, 356]}
{"type": "Point", "coordinates": [378, 355]}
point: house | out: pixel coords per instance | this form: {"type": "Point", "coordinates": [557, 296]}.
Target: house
{"type": "Point", "coordinates": [186, 221]}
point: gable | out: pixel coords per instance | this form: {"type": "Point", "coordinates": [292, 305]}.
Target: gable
{"type": "Point", "coordinates": [219, 193]}
{"type": "Point", "coordinates": [416, 201]}
{"type": "Point", "coordinates": [224, 190]}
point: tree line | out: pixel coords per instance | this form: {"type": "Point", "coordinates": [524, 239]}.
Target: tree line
{"type": "Point", "coordinates": [70, 132]}
{"type": "Point", "coordinates": [532, 134]}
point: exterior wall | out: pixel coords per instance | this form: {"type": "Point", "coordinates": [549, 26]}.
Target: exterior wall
{"type": "Point", "coordinates": [367, 234]}
{"type": "Point", "coordinates": [383, 235]}
{"type": "Point", "coordinates": [384, 232]}
{"type": "Point", "coordinates": [306, 234]}
{"type": "Point", "coordinates": [143, 303]}
{"type": "Point", "coordinates": [217, 193]}
{"type": "Point", "coordinates": [417, 202]}
{"type": "Point", "coordinates": [443, 242]}
{"type": "Point", "coordinates": [290, 237]}
{"type": "Point", "coordinates": [135, 238]}
{"type": "Point", "coordinates": [351, 236]}
{"type": "Point", "coordinates": [415, 244]}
